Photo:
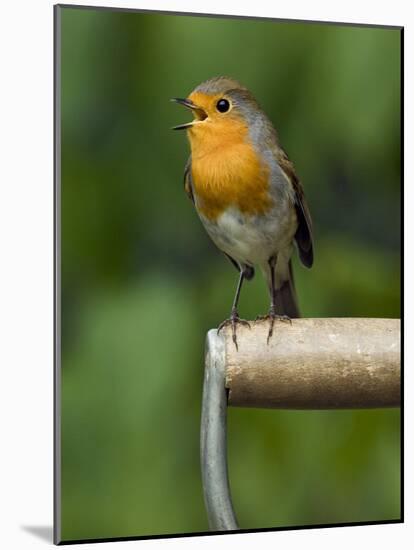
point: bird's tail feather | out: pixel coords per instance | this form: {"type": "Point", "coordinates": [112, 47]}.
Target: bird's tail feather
{"type": "Point", "coordinates": [286, 300]}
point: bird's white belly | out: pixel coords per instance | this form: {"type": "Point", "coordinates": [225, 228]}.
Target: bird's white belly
{"type": "Point", "coordinates": [252, 239]}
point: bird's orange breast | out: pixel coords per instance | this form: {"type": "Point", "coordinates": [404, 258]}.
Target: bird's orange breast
{"type": "Point", "coordinates": [226, 170]}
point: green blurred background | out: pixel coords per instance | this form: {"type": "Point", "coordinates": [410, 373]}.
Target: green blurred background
{"type": "Point", "coordinates": [142, 283]}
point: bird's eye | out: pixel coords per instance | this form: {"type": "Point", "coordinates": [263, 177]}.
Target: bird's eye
{"type": "Point", "coordinates": [223, 105]}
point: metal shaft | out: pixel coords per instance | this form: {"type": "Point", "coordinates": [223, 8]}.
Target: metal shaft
{"type": "Point", "coordinates": [216, 487]}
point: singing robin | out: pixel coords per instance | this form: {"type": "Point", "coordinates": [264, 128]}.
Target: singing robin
{"type": "Point", "coordinates": [246, 192]}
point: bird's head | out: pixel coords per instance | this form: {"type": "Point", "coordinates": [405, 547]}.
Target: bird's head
{"type": "Point", "coordinates": [223, 110]}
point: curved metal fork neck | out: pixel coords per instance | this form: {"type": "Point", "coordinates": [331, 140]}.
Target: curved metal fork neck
{"type": "Point", "coordinates": [216, 486]}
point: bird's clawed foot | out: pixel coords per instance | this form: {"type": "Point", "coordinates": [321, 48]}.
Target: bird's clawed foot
{"type": "Point", "coordinates": [233, 320]}
{"type": "Point", "coordinates": [272, 316]}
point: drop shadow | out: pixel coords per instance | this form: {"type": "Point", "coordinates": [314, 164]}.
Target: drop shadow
{"type": "Point", "coordinates": [44, 532]}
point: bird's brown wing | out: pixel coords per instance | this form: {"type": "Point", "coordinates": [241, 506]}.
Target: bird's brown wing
{"type": "Point", "coordinates": [188, 182]}
{"type": "Point", "coordinates": [303, 234]}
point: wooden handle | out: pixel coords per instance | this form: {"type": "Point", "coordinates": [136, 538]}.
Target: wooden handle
{"type": "Point", "coordinates": [314, 364]}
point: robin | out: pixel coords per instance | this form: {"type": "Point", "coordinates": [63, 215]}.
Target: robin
{"type": "Point", "coordinates": [246, 192]}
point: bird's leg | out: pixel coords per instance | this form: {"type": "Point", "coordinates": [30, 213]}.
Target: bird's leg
{"type": "Point", "coordinates": [234, 318]}
{"type": "Point", "coordinates": [272, 315]}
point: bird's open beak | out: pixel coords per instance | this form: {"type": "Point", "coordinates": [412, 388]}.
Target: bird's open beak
{"type": "Point", "coordinates": [199, 113]}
